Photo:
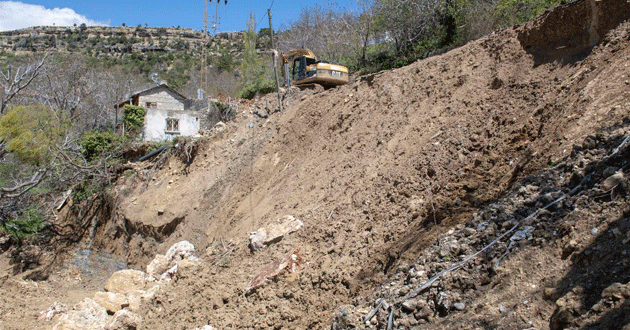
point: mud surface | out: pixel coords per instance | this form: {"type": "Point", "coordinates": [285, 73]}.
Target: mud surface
{"type": "Point", "coordinates": [385, 174]}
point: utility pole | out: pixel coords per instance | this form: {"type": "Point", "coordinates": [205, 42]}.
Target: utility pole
{"type": "Point", "coordinates": [203, 88]}
{"type": "Point", "coordinates": [273, 56]}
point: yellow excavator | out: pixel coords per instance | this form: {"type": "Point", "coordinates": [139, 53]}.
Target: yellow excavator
{"type": "Point", "coordinates": [306, 70]}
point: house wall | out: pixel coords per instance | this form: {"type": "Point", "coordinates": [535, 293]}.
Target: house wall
{"type": "Point", "coordinates": [165, 99]}
{"type": "Point", "coordinates": [155, 124]}
{"type": "Point", "coordinates": [168, 105]}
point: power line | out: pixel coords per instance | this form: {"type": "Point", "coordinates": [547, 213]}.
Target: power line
{"type": "Point", "coordinates": [263, 15]}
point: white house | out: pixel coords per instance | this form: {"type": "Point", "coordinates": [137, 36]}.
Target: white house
{"type": "Point", "coordinates": [169, 113]}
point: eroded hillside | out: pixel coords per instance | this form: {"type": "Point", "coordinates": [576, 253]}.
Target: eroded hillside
{"type": "Point", "coordinates": [385, 173]}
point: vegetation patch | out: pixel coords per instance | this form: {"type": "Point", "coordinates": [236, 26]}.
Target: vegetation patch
{"type": "Point", "coordinates": [30, 223]}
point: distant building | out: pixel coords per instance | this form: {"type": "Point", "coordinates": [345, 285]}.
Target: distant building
{"type": "Point", "coordinates": [169, 113]}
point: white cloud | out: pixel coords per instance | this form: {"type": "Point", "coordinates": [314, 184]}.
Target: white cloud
{"type": "Point", "coordinates": [17, 15]}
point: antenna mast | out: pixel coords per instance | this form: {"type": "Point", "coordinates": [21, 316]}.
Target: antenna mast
{"type": "Point", "coordinates": [215, 20]}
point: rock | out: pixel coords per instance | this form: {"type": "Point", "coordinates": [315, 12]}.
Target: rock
{"type": "Point", "coordinates": [450, 248]}
{"type": "Point", "coordinates": [616, 291]}
{"type": "Point", "coordinates": [347, 317]}
{"type": "Point", "coordinates": [158, 266]}
{"type": "Point", "coordinates": [525, 233]}
{"type": "Point", "coordinates": [86, 315]}
{"type": "Point", "coordinates": [135, 299]}
{"type": "Point", "coordinates": [205, 327]}
{"type": "Point", "coordinates": [502, 309]}
{"type": "Point", "coordinates": [460, 306]}
{"type": "Point", "coordinates": [169, 274]}
{"type": "Point", "coordinates": [126, 280]}
{"type": "Point", "coordinates": [149, 294]}
{"type": "Point", "coordinates": [550, 294]}
{"type": "Point", "coordinates": [409, 305]}
{"type": "Point", "coordinates": [54, 309]}
{"type": "Point", "coordinates": [179, 251]}
{"type": "Point", "coordinates": [113, 302]}
{"type": "Point", "coordinates": [443, 301]}
{"type": "Point", "coordinates": [590, 142]}
{"type": "Point", "coordinates": [187, 267]}
{"type": "Point", "coordinates": [613, 181]}
{"type": "Point", "coordinates": [219, 127]}
{"type": "Point", "coordinates": [124, 320]}
{"type": "Point", "coordinates": [273, 232]}
{"type": "Point", "coordinates": [424, 313]}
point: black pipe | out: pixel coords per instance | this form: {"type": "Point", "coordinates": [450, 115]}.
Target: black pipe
{"type": "Point", "coordinates": [152, 153]}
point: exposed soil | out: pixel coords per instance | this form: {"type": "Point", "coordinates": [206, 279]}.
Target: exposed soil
{"type": "Point", "coordinates": [395, 176]}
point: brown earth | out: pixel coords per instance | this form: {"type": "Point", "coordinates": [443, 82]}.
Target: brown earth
{"type": "Point", "coordinates": [380, 171]}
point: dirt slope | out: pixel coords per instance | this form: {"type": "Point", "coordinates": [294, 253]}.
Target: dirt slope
{"type": "Point", "coordinates": [371, 168]}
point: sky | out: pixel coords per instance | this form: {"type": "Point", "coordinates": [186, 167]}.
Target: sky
{"type": "Point", "coordinates": [156, 13]}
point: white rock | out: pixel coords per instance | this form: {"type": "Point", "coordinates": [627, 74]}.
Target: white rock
{"type": "Point", "coordinates": [124, 320]}
{"type": "Point", "coordinates": [158, 265]}
{"type": "Point", "coordinates": [274, 232]}
{"type": "Point", "coordinates": [54, 309]}
{"type": "Point", "coordinates": [126, 280]}
{"type": "Point", "coordinates": [86, 315]}
{"type": "Point", "coordinates": [179, 251]}
{"type": "Point", "coordinates": [112, 301]}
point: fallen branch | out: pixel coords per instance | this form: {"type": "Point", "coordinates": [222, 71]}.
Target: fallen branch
{"type": "Point", "coordinates": [373, 312]}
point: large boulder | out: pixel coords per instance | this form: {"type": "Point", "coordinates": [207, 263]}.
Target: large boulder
{"type": "Point", "coordinates": [112, 301]}
{"type": "Point", "coordinates": [158, 266]}
{"type": "Point", "coordinates": [135, 299]}
{"type": "Point", "coordinates": [179, 251]}
{"type": "Point", "coordinates": [126, 280]}
{"type": "Point", "coordinates": [273, 232]}
{"type": "Point", "coordinates": [86, 315]}
{"type": "Point", "coordinates": [124, 320]}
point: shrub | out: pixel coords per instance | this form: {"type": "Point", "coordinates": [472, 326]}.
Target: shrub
{"type": "Point", "coordinates": [259, 86]}
{"type": "Point", "coordinates": [86, 189]}
{"type": "Point", "coordinates": [28, 224]}
{"type": "Point", "coordinates": [31, 132]}
{"type": "Point", "coordinates": [94, 143]}
{"type": "Point", "coordinates": [133, 117]}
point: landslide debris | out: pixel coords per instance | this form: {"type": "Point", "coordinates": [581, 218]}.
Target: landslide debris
{"type": "Point", "coordinates": [397, 176]}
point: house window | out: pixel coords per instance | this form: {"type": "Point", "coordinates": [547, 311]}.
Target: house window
{"type": "Point", "coordinates": [172, 125]}
{"type": "Point", "coordinates": [151, 105]}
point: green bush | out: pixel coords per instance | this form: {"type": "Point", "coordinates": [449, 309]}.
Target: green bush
{"type": "Point", "coordinates": [29, 224]}
{"type": "Point", "coordinates": [226, 63]}
{"type": "Point", "coordinates": [259, 86]}
{"type": "Point", "coordinates": [86, 189]}
{"type": "Point", "coordinates": [133, 117]}
{"type": "Point", "coordinates": [31, 132]}
{"type": "Point", "coordinates": [94, 143]}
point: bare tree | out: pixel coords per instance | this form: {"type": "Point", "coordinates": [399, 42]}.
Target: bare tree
{"type": "Point", "coordinates": [408, 21]}
{"type": "Point", "coordinates": [329, 32]}
{"type": "Point", "coordinates": [14, 79]}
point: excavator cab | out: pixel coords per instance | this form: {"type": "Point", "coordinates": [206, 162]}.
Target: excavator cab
{"type": "Point", "coordinates": [302, 66]}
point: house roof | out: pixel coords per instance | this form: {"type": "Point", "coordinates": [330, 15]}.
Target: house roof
{"type": "Point", "coordinates": [144, 90]}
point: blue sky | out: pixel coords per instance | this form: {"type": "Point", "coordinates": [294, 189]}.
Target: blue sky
{"type": "Point", "coordinates": [156, 13]}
